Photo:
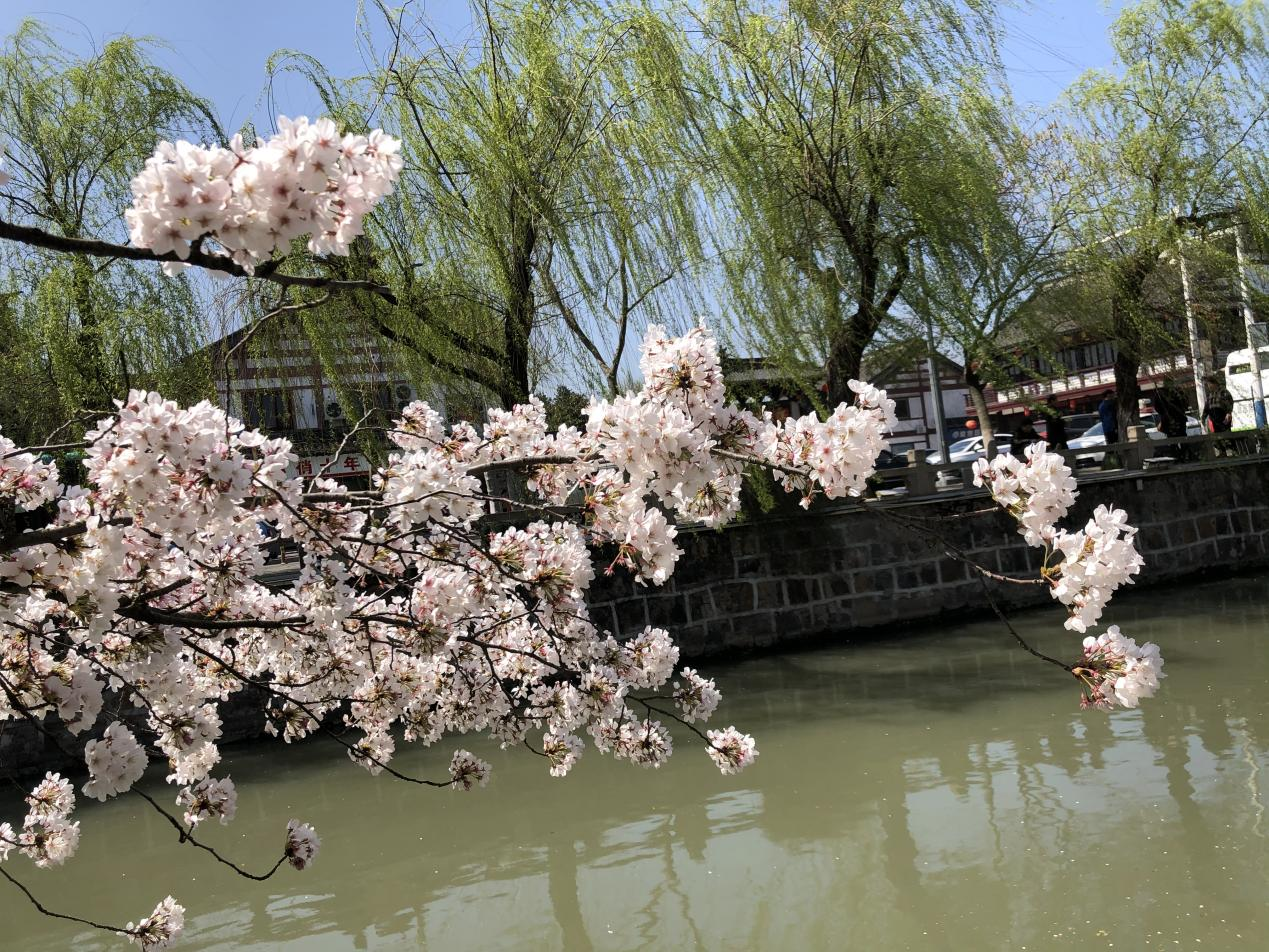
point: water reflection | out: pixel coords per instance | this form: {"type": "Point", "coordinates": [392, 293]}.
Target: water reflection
{"type": "Point", "coordinates": [937, 792]}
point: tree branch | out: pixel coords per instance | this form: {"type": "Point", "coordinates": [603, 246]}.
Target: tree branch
{"type": "Point", "coordinates": [91, 247]}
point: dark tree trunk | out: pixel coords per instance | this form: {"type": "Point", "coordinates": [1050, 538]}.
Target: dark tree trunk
{"type": "Point", "coordinates": [846, 352]}
{"type": "Point", "coordinates": [974, 384]}
{"type": "Point", "coordinates": [519, 321]}
{"type": "Point", "coordinates": [1127, 390]}
{"type": "Point", "coordinates": [1127, 326]}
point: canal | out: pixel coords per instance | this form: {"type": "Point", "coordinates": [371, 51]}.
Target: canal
{"type": "Point", "coordinates": [937, 791]}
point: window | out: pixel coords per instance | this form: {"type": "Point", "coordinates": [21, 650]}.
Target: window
{"type": "Point", "coordinates": [903, 408]}
{"type": "Point", "coordinates": [266, 409]}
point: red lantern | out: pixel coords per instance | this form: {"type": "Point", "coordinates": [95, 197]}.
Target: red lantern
{"type": "Point", "coordinates": [971, 424]}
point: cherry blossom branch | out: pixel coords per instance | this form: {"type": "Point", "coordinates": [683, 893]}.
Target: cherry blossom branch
{"type": "Point", "coordinates": [521, 462]}
{"type": "Point", "coordinates": [90, 247]}
{"type": "Point", "coordinates": [21, 540]}
{"type": "Point", "coordinates": [995, 607]}
{"type": "Point", "coordinates": [187, 836]}
{"type": "Point", "coordinates": [116, 930]}
{"type": "Point", "coordinates": [47, 448]}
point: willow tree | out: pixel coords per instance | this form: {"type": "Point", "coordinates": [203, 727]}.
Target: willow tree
{"type": "Point", "coordinates": [540, 220]}
{"type": "Point", "coordinates": [828, 119]}
{"type": "Point", "coordinates": [76, 129]}
{"type": "Point", "coordinates": [1160, 144]}
{"type": "Point", "coordinates": [993, 248]}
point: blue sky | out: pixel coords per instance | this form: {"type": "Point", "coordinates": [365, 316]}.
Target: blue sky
{"type": "Point", "coordinates": [220, 48]}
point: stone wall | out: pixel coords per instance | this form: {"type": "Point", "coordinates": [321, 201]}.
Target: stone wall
{"type": "Point", "coordinates": [847, 571]}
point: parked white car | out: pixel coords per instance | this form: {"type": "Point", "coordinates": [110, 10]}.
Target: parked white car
{"type": "Point", "coordinates": [969, 449]}
{"type": "Point", "coordinates": [1095, 436]}
{"type": "Point", "coordinates": [965, 451]}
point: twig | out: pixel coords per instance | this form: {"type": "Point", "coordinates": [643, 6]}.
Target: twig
{"type": "Point", "coordinates": [991, 600]}
{"type": "Point", "coordinates": [118, 930]}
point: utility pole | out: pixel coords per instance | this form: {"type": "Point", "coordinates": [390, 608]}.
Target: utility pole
{"type": "Point", "coordinates": [1249, 318]}
{"type": "Point", "coordinates": [936, 391]}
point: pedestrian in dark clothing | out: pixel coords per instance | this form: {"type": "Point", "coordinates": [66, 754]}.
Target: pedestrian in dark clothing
{"type": "Point", "coordinates": [1026, 434]}
{"type": "Point", "coordinates": [1108, 413]}
{"type": "Point", "coordinates": [1219, 412]}
{"type": "Point", "coordinates": [1171, 404]}
{"type": "Point", "coordinates": [1054, 424]}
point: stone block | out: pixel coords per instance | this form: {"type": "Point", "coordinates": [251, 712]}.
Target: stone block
{"type": "Point", "coordinates": [836, 586]}
{"type": "Point", "coordinates": [952, 570]}
{"type": "Point", "coordinates": [1152, 539]}
{"type": "Point", "coordinates": [692, 641]}
{"type": "Point", "coordinates": [870, 612]}
{"type": "Point", "coordinates": [799, 591]}
{"type": "Point", "coordinates": [700, 603]}
{"type": "Point", "coordinates": [733, 598]}
{"type": "Point", "coordinates": [751, 566]}
{"type": "Point", "coordinates": [632, 616]}
{"type": "Point", "coordinates": [667, 611]}
{"type": "Point", "coordinates": [759, 628]}
{"type": "Point", "coordinates": [768, 594]}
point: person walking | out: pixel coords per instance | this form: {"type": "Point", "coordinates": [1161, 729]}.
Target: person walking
{"type": "Point", "coordinates": [1055, 426]}
{"type": "Point", "coordinates": [1108, 413]}
{"type": "Point", "coordinates": [1218, 415]}
{"type": "Point", "coordinates": [1171, 404]}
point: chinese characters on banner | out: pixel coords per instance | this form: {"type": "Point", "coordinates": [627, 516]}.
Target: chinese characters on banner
{"type": "Point", "coordinates": [336, 467]}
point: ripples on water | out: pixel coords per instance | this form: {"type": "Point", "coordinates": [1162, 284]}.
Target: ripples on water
{"type": "Point", "coordinates": [941, 791]}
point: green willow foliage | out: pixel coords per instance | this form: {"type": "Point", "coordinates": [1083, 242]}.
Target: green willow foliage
{"type": "Point", "coordinates": [540, 222]}
{"type": "Point", "coordinates": [831, 176]}
{"type": "Point", "coordinates": [992, 248]}
{"type": "Point", "coordinates": [829, 120]}
{"type": "Point", "coordinates": [1176, 133]}
{"type": "Point", "coordinates": [75, 333]}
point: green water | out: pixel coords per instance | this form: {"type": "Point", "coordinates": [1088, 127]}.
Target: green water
{"type": "Point", "coordinates": [942, 791]}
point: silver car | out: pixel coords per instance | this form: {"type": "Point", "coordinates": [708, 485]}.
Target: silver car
{"type": "Point", "coordinates": [965, 451]}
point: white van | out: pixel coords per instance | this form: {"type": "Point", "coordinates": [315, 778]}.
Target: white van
{"type": "Point", "coordinates": [1238, 380]}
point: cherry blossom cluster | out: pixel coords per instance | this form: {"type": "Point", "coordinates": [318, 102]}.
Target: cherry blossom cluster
{"type": "Point", "coordinates": [1114, 671]}
{"type": "Point", "coordinates": [160, 929]}
{"type": "Point", "coordinates": [1095, 561]}
{"type": "Point", "coordinates": [48, 836]}
{"type": "Point", "coordinates": [1037, 489]}
{"type": "Point", "coordinates": [1083, 568]}
{"type": "Point", "coordinates": [301, 844]}
{"type": "Point", "coordinates": [835, 456]}
{"type": "Point", "coordinates": [307, 180]}
{"type": "Point", "coordinates": [24, 478]}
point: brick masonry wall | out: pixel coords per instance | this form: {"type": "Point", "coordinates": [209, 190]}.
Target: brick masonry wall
{"type": "Point", "coordinates": [845, 572]}
{"type": "Point", "coordinates": [842, 573]}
